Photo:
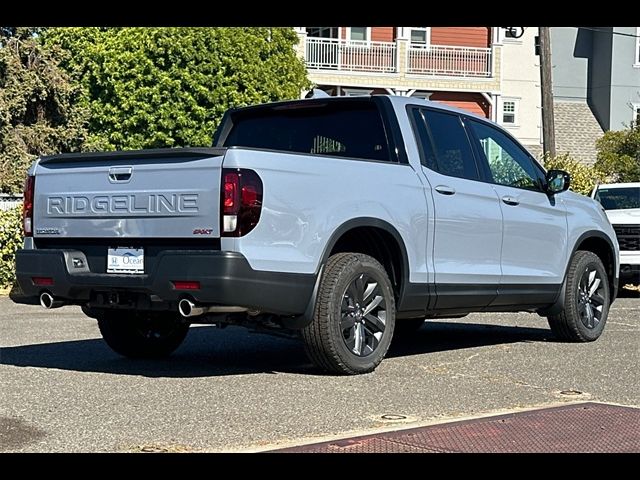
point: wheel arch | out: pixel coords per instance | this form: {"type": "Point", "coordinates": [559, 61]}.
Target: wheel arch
{"type": "Point", "coordinates": [391, 249]}
{"type": "Point", "coordinates": [601, 245]}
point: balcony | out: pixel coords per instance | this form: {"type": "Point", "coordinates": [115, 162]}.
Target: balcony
{"type": "Point", "coordinates": [332, 54]}
{"type": "Point", "coordinates": [440, 60]}
{"type": "Point", "coordinates": [350, 56]}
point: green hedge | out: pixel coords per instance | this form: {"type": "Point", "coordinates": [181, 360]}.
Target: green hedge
{"type": "Point", "coordinates": [10, 241]}
{"type": "Point", "coordinates": [583, 176]}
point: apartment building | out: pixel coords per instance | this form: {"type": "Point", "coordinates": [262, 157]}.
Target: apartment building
{"type": "Point", "coordinates": [459, 66]}
{"type": "Point", "coordinates": [486, 70]}
{"type": "Point", "coordinates": [596, 84]}
{"type": "Point", "coordinates": [481, 69]}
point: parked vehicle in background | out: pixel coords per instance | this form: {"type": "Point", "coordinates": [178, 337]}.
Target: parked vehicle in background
{"type": "Point", "coordinates": [621, 202]}
{"type": "Point", "coordinates": [340, 220]}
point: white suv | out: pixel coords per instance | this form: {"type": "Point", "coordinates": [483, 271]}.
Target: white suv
{"type": "Point", "coordinates": [621, 202]}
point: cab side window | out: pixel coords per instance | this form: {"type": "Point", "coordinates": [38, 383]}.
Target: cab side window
{"type": "Point", "coordinates": [508, 163]}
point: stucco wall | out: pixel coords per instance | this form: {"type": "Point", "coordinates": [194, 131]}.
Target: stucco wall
{"type": "Point", "coordinates": [521, 81]}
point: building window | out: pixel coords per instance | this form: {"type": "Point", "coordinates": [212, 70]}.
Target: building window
{"type": "Point", "coordinates": [419, 36]}
{"type": "Point", "coordinates": [509, 111]}
{"type": "Point", "coordinates": [355, 92]}
{"type": "Point", "coordinates": [637, 47]}
{"type": "Point", "coordinates": [322, 32]}
{"type": "Point", "coordinates": [636, 113]}
{"type": "Point", "coordinates": [358, 34]}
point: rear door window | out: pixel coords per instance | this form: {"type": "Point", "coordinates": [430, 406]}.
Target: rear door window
{"type": "Point", "coordinates": [454, 156]}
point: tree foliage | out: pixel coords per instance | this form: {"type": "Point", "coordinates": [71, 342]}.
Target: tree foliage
{"type": "Point", "coordinates": [583, 177]}
{"type": "Point", "coordinates": [166, 87]}
{"type": "Point", "coordinates": [619, 154]}
{"type": "Point", "coordinates": [10, 241]}
{"type": "Point", "coordinates": [39, 106]}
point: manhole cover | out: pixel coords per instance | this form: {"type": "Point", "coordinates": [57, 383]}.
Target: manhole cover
{"type": "Point", "coordinates": [571, 393]}
{"type": "Point", "coordinates": [393, 417]}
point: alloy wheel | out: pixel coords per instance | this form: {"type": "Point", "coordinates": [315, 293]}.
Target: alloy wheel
{"type": "Point", "coordinates": [363, 315]}
{"type": "Point", "coordinates": [590, 298]}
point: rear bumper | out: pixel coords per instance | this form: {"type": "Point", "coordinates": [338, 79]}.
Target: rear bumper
{"type": "Point", "coordinates": [226, 278]}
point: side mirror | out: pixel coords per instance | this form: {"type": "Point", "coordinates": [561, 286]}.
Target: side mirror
{"type": "Point", "coordinates": [557, 181]}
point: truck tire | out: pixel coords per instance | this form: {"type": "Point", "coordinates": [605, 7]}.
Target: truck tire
{"type": "Point", "coordinates": [354, 316]}
{"type": "Point", "coordinates": [586, 301]}
{"type": "Point", "coordinates": [142, 335]}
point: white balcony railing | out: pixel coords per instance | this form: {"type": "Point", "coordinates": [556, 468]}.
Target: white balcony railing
{"type": "Point", "coordinates": [351, 56]}
{"type": "Point", "coordinates": [449, 61]}
{"type": "Point", "coordinates": [382, 57]}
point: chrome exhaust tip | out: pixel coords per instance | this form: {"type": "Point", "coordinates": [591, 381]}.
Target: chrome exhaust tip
{"type": "Point", "coordinates": [48, 301]}
{"type": "Point", "coordinates": [189, 309]}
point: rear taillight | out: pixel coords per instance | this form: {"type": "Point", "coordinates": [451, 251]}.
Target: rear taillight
{"type": "Point", "coordinates": [241, 201]}
{"type": "Point", "coordinates": [27, 206]}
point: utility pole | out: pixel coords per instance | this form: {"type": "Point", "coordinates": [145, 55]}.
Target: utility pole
{"type": "Point", "coordinates": [548, 126]}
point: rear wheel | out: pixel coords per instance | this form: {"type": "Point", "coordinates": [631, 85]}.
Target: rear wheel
{"type": "Point", "coordinates": [142, 335]}
{"type": "Point", "coordinates": [354, 316]}
{"type": "Point", "coordinates": [586, 302]}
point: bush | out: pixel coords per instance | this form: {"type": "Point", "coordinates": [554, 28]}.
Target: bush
{"type": "Point", "coordinates": [619, 154]}
{"type": "Point", "coordinates": [169, 87]}
{"type": "Point", "coordinates": [40, 111]}
{"type": "Point", "coordinates": [10, 241]}
{"type": "Point", "coordinates": [583, 177]}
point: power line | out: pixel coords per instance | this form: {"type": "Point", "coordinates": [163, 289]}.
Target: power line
{"type": "Point", "coordinates": [612, 32]}
{"type": "Point", "coordinates": [515, 32]}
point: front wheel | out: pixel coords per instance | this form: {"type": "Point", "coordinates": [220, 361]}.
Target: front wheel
{"type": "Point", "coordinates": [142, 335]}
{"type": "Point", "coordinates": [354, 316]}
{"type": "Point", "coordinates": [586, 302]}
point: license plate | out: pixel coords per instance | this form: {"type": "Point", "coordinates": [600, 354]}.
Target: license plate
{"type": "Point", "coordinates": [125, 260]}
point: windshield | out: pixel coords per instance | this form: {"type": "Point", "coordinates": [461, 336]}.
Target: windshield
{"type": "Point", "coordinates": [619, 198]}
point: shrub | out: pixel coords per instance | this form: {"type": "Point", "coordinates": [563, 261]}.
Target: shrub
{"type": "Point", "coordinates": [583, 177]}
{"type": "Point", "coordinates": [10, 241]}
{"type": "Point", "coordinates": [619, 154]}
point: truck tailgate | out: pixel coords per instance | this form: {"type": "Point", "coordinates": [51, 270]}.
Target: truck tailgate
{"type": "Point", "coordinates": [163, 193]}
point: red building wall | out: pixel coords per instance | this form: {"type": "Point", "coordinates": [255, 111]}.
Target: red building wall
{"type": "Point", "coordinates": [472, 102]}
{"type": "Point", "coordinates": [457, 36]}
{"type": "Point", "coordinates": [461, 36]}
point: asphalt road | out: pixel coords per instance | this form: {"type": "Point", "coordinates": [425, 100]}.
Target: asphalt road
{"type": "Point", "coordinates": [62, 389]}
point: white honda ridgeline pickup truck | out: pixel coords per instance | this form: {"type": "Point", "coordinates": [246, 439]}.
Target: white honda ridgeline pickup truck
{"type": "Point", "coordinates": [340, 220]}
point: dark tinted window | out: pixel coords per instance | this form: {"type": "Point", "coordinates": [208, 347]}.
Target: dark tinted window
{"type": "Point", "coordinates": [424, 141]}
{"type": "Point", "coordinates": [619, 198]}
{"type": "Point", "coordinates": [453, 151]}
{"type": "Point", "coordinates": [508, 163]}
{"type": "Point", "coordinates": [345, 129]}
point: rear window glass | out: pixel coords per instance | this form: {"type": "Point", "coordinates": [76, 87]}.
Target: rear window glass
{"type": "Point", "coordinates": [342, 129]}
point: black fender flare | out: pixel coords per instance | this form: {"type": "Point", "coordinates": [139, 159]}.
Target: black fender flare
{"type": "Point", "coordinates": [558, 304]}
{"type": "Point", "coordinates": [305, 319]}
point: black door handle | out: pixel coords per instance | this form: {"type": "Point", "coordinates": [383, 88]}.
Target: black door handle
{"type": "Point", "coordinates": [445, 190]}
